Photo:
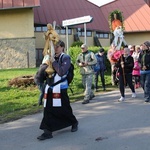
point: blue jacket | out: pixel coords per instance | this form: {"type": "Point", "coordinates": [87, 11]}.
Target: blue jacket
{"type": "Point", "coordinates": [61, 65]}
{"type": "Point", "coordinates": [101, 60]}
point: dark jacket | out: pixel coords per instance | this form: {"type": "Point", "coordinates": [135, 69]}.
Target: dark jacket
{"type": "Point", "coordinates": [128, 64]}
{"type": "Point", "coordinates": [144, 59]}
{"type": "Point", "coordinates": [41, 75]}
{"type": "Point", "coordinates": [62, 64]}
{"type": "Point", "coordinates": [101, 60]}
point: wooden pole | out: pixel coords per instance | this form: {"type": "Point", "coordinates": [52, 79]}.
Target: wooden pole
{"type": "Point", "coordinates": [123, 71]}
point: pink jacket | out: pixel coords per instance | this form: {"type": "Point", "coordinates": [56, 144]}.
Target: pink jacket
{"type": "Point", "coordinates": [136, 69]}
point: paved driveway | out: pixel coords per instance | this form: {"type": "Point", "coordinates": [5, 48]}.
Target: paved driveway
{"type": "Point", "coordinates": [104, 124]}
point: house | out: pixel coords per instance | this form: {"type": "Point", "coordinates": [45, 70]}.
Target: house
{"type": "Point", "coordinates": [20, 35]}
{"type": "Point", "coordinates": [17, 41]}
{"type": "Point", "coordinates": [136, 14]}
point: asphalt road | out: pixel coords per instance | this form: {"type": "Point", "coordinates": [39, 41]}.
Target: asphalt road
{"type": "Point", "coordinates": [104, 124]}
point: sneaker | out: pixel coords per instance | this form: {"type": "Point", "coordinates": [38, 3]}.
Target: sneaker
{"type": "Point", "coordinates": [74, 127]}
{"type": "Point", "coordinates": [121, 99]}
{"type": "Point", "coordinates": [44, 136]}
{"type": "Point", "coordinates": [85, 102]}
{"type": "Point", "coordinates": [133, 95]}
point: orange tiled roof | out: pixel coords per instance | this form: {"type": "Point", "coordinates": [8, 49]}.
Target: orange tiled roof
{"type": "Point", "coordinates": [136, 14]}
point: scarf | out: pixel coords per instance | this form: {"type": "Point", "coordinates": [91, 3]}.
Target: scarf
{"type": "Point", "coordinates": [56, 94]}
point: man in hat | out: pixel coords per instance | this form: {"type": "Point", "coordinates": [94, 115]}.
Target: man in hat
{"type": "Point", "coordinates": [85, 61]}
{"type": "Point", "coordinates": [101, 60]}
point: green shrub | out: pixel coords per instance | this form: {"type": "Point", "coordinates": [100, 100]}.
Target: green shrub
{"type": "Point", "coordinates": [77, 43]}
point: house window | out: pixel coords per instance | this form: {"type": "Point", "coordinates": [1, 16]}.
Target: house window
{"type": "Point", "coordinates": [106, 35]}
{"type": "Point", "coordinates": [102, 35]}
{"type": "Point", "coordinates": [69, 31]}
{"type": "Point", "coordinates": [44, 28]}
{"type": "Point", "coordinates": [38, 29]}
{"type": "Point", "coordinates": [82, 33]}
{"type": "Point", "coordinates": [88, 33]}
{"type": "Point", "coordinates": [59, 31]}
{"type": "Point", "coordinates": [63, 31]}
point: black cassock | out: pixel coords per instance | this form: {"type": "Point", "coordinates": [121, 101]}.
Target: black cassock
{"type": "Point", "coordinates": [56, 118]}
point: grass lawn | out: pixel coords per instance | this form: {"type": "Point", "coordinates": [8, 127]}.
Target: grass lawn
{"type": "Point", "coordinates": [18, 102]}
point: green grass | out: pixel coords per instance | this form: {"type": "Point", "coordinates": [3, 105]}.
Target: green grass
{"type": "Point", "coordinates": [18, 102]}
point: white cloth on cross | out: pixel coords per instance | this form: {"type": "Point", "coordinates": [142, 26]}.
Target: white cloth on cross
{"type": "Point", "coordinates": [118, 37]}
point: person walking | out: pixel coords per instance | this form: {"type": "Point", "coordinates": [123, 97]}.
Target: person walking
{"type": "Point", "coordinates": [132, 49]}
{"type": "Point", "coordinates": [58, 113]}
{"type": "Point", "coordinates": [136, 73]}
{"type": "Point", "coordinates": [144, 60]}
{"type": "Point", "coordinates": [85, 61]}
{"type": "Point", "coordinates": [40, 78]}
{"type": "Point", "coordinates": [125, 65]}
{"type": "Point", "coordinates": [101, 60]}
{"type": "Point", "coordinates": [136, 68]}
{"type": "Point", "coordinates": [112, 60]}
{"type": "Point", "coordinates": [137, 52]}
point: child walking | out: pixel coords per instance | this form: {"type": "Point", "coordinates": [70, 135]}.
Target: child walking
{"type": "Point", "coordinates": [136, 73]}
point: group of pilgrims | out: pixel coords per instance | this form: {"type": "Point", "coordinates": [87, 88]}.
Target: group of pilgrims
{"type": "Point", "coordinates": [58, 113]}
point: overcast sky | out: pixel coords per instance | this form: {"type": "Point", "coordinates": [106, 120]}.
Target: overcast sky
{"type": "Point", "coordinates": [100, 2]}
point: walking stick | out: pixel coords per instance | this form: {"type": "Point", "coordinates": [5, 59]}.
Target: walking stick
{"type": "Point", "coordinates": [123, 71]}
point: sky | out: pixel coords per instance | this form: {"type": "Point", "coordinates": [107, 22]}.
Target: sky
{"type": "Point", "coordinates": [100, 2]}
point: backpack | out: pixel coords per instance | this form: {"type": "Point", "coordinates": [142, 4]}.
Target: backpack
{"type": "Point", "coordinates": [70, 74]}
{"type": "Point", "coordinates": [96, 67]}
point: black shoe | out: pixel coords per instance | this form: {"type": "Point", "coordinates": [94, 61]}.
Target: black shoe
{"type": "Point", "coordinates": [74, 127]}
{"type": "Point", "coordinates": [147, 100]}
{"type": "Point", "coordinates": [85, 102]}
{"type": "Point", "coordinates": [44, 136]}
